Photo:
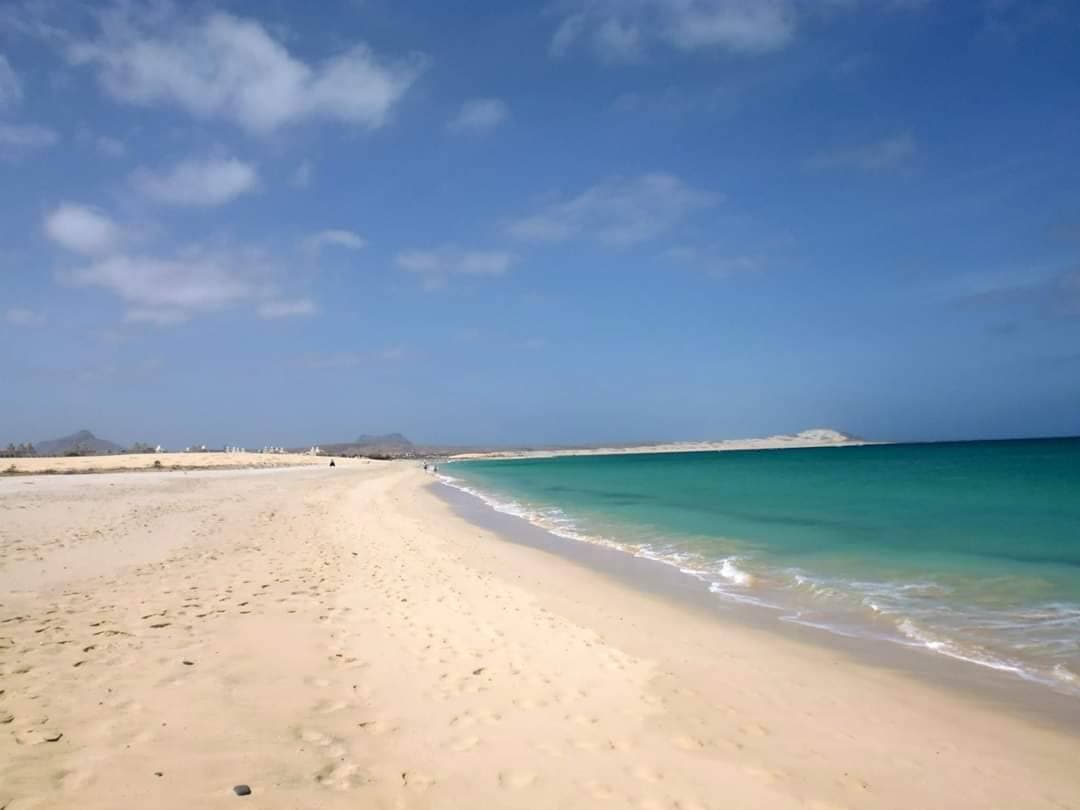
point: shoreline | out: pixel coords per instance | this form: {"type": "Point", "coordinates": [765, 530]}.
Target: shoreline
{"type": "Point", "coordinates": [723, 445]}
{"type": "Point", "coordinates": [335, 637]}
{"type": "Point", "coordinates": [961, 677]}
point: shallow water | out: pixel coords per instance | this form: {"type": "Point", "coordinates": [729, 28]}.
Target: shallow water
{"type": "Point", "coordinates": [971, 550]}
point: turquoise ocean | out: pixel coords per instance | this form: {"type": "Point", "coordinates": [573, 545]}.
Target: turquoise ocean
{"type": "Point", "coordinates": [971, 550]}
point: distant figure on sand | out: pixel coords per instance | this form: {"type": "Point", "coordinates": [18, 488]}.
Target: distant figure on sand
{"type": "Point", "coordinates": [425, 467]}
{"type": "Point", "coordinates": [332, 464]}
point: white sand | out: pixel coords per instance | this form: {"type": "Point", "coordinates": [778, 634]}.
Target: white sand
{"type": "Point", "coordinates": [168, 461]}
{"type": "Point", "coordinates": [817, 437]}
{"type": "Point", "coordinates": [354, 644]}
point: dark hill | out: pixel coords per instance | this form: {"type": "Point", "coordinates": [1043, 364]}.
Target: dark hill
{"type": "Point", "coordinates": [84, 443]}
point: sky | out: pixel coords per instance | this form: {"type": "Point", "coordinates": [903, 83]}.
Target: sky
{"type": "Point", "coordinates": [255, 223]}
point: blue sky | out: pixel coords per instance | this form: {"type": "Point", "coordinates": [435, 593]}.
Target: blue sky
{"type": "Point", "coordinates": [590, 220]}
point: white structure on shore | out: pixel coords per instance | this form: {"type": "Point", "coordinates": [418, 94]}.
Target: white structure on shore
{"type": "Point", "coordinates": [235, 449]}
{"type": "Point", "coordinates": [314, 451]}
{"type": "Point", "coordinates": [273, 450]}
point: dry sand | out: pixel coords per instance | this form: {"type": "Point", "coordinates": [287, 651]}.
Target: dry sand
{"type": "Point", "coordinates": [339, 638]}
{"type": "Point", "coordinates": [167, 461]}
{"type": "Point", "coordinates": [819, 437]}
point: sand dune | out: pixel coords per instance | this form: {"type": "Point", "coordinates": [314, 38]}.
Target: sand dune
{"type": "Point", "coordinates": [338, 638]}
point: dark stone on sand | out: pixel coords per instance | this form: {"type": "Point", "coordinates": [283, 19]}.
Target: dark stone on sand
{"type": "Point", "coordinates": [242, 790]}
{"type": "Point", "coordinates": [188, 663]}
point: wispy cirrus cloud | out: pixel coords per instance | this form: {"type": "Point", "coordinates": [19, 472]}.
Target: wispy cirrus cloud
{"type": "Point", "coordinates": [16, 140]}
{"type": "Point", "coordinates": [479, 115]}
{"type": "Point", "coordinates": [889, 153]}
{"type": "Point", "coordinates": [435, 266]}
{"type": "Point", "coordinates": [109, 146]}
{"type": "Point", "coordinates": [286, 308]}
{"type": "Point", "coordinates": [716, 262]}
{"type": "Point", "coordinates": [619, 212]}
{"type": "Point", "coordinates": [1052, 297]}
{"type": "Point", "coordinates": [335, 237]}
{"type": "Point", "coordinates": [228, 67]}
{"type": "Point", "coordinates": [350, 359]}
{"type": "Point", "coordinates": [10, 87]}
{"type": "Point", "coordinates": [197, 182]}
{"type": "Point", "coordinates": [302, 176]}
{"type": "Point", "coordinates": [23, 318]}
{"type": "Point", "coordinates": [622, 30]}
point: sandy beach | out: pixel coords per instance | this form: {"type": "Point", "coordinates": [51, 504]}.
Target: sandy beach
{"type": "Point", "coordinates": [156, 462]}
{"type": "Point", "coordinates": [341, 638]}
{"type": "Point", "coordinates": [819, 437]}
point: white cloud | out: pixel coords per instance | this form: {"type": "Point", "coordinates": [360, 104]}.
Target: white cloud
{"type": "Point", "coordinates": [888, 153]}
{"type": "Point", "coordinates": [621, 211]}
{"type": "Point", "coordinates": [198, 281]}
{"type": "Point", "coordinates": [435, 266]}
{"type": "Point", "coordinates": [228, 67]}
{"type": "Point", "coordinates": [110, 147]}
{"type": "Point", "coordinates": [350, 359]}
{"type": "Point", "coordinates": [18, 316]}
{"type": "Point", "coordinates": [335, 237]}
{"type": "Point", "coordinates": [299, 307]}
{"type": "Point", "coordinates": [479, 115]}
{"type": "Point", "coordinates": [82, 229]}
{"type": "Point", "coordinates": [619, 30]}
{"type": "Point", "coordinates": [302, 176]}
{"type": "Point", "coordinates": [715, 262]}
{"type": "Point", "coordinates": [168, 290]}
{"type": "Point", "coordinates": [209, 182]}
{"type": "Point", "coordinates": [16, 139]}
{"type": "Point", "coordinates": [10, 88]}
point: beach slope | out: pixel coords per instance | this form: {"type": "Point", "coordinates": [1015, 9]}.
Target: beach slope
{"type": "Point", "coordinates": [340, 638]}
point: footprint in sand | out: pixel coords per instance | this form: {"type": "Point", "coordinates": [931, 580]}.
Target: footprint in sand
{"type": "Point", "coordinates": [598, 790]}
{"type": "Point", "coordinates": [516, 780]}
{"type": "Point", "coordinates": [340, 776]}
{"type": "Point", "coordinates": [647, 774]}
{"type": "Point", "coordinates": [464, 744]}
{"type": "Point", "coordinates": [314, 737]}
{"type": "Point", "coordinates": [463, 721]}
{"type": "Point", "coordinates": [688, 743]}
{"type": "Point", "coordinates": [376, 727]}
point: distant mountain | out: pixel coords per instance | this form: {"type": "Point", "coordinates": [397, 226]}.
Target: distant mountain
{"type": "Point", "coordinates": [388, 444]}
{"type": "Point", "coordinates": [84, 442]}
{"type": "Point", "coordinates": [385, 439]}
